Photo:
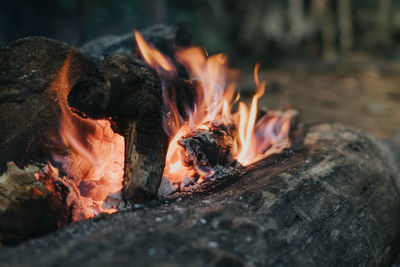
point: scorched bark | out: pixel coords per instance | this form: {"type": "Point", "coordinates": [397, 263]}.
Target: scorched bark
{"type": "Point", "coordinates": [334, 202]}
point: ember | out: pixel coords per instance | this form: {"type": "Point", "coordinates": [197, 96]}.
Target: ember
{"type": "Point", "coordinates": [250, 138]}
{"type": "Point", "coordinates": [94, 167]}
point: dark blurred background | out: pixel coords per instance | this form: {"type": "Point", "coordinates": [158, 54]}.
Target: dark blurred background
{"type": "Point", "coordinates": [253, 30]}
{"type": "Point", "coordinates": [336, 60]}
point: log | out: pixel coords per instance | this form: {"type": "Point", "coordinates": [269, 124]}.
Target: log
{"type": "Point", "coordinates": [30, 118]}
{"type": "Point", "coordinates": [29, 114]}
{"type": "Point", "coordinates": [334, 201]}
{"type": "Point", "coordinates": [130, 94]}
{"type": "Point", "coordinates": [207, 153]}
{"type": "Point", "coordinates": [212, 148]}
{"type": "Point", "coordinates": [209, 147]}
{"type": "Point", "coordinates": [131, 97]}
{"type": "Point", "coordinates": [31, 204]}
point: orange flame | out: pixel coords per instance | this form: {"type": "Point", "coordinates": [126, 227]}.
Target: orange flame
{"type": "Point", "coordinates": [257, 138]}
{"type": "Point", "coordinates": [95, 163]}
{"type": "Point", "coordinates": [153, 56]}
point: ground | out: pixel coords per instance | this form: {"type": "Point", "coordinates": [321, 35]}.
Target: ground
{"type": "Point", "coordinates": [359, 91]}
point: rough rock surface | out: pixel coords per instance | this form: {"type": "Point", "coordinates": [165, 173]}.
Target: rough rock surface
{"type": "Point", "coordinates": [333, 202]}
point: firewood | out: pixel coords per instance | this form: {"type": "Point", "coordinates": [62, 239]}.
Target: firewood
{"type": "Point", "coordinates": [30, 119]}
{"type": "Point", "coordinates": [331, 200]}
{"type": "Point", "coordinates": [131, 95]}
{"type": "Point", "coordinates": [207, 148]}
{"type": "Point", "coordinates": [30, 114]}
{"type": "Point", "coordinates": [30, 204]}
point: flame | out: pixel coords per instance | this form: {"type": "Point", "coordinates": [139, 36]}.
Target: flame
{"type": "Point", "coordinates": [95, 162]}
{"type": "Point", "coordinates": [257, 137]}
{"type": "Point", "coordinates": [153, 56]}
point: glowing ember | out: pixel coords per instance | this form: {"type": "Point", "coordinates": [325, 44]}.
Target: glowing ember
{"type": "Point", "coordinates": [256, 138]}
{"type": "Point", "coordinates": [95, 163]}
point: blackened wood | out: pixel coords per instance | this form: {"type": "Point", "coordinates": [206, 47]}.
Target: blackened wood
{"type": "Point", "coordinates": [30, 205]}
{"type": "Point", "coordinates": [29, 119]}
{"type": "Point", "coordinates": [208, 148]}
{"type": "Point", "coordinates": [334, 202]}
{"type": "Point", "coordinates": [131, 95]}
{"type": "Point", "coordinates": [29, 114]}
{"type": "Point", "coordinates": [120, 88]}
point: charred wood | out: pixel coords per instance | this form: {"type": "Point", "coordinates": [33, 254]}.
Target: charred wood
{"type": "Point", "coordinates": [131, 95]}
{"type": "Point", "coordinates": [29, 119]}
{"type": "Point", "coordinates": [333, 201]}
{"type": "Point", "coordinates": [31, 204]}
{"type": "Point", "coordinates": [205, 149]}
{"type": "Point", "coordinates": [127, 92]}
{"type": "Point", "coordinates": [29, 114]}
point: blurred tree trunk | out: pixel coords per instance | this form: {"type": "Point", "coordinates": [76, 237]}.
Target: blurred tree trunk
{"type": "Point", "coordinates": [322, 17]}
{"type": "Point", "coordinates": [345, 25]}
{"type": "Point", "coordinates": [297, 27]}
{"type": "Point", "coordinates": [383, 23]}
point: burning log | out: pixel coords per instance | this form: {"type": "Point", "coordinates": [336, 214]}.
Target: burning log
{"type": "Point", "coordinates": [330, 198]}
{"type": "Point", "coordinates": [209, 147]}
{"type": "Point", "coordinates": [30, 204]}
{"type": "Point", "coordinates": [35, 76]}
{"type": "Point", "coordinates": [29, 114]}
{"type": "Point", "coordinates": [127, 92]}
{"type": "Point", "coordinates": [333, 201]}
{"type": "Point", "coordinates": [206, 154]}
{"type": "Point", "coordinates": [210, 151]}
{"type": "Point", "coordinates": [130, 94]}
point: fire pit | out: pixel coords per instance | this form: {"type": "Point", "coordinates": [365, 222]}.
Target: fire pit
{"type": "Point", "coordinates": [192, 174]}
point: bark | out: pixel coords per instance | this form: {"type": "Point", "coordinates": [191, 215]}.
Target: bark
{"type": "Point", "coordinates": [296, 21]}
{"type": "Point", "coordinates": [322, 17]}
{"type": "Point", "coordinates": [331, 202]}
{"type": "Point", "coordinates": [345, 25]}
